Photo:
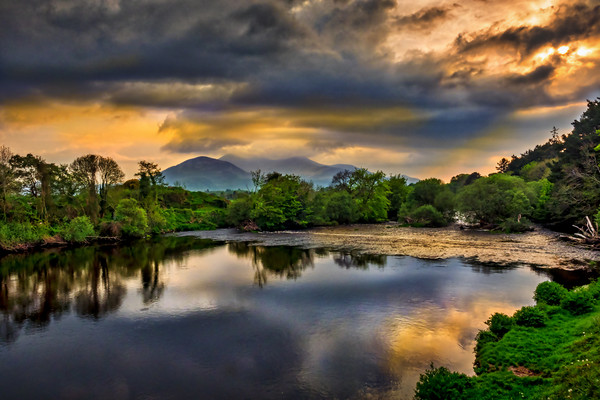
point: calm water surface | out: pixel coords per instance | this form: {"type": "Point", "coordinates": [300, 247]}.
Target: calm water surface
{"type": "Point", "coordinates": [185, 318]}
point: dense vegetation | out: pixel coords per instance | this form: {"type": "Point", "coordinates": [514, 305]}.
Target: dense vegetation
{"type": "Point", "coordinates": [548, 351]}
{"type": "Point", "coordinates": [44, 202]}
{"type": "Point", "coordinates": [557, 183]}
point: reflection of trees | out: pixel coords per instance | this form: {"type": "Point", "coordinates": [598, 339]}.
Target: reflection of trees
{"type": "Point", "coordinates": [101, 291]}
{"type": "Point", "coordinates": [39, 287]}
{"type": "Point", "coordinates": [360, 261]}
{"type": "Point", "coordinates": [279, 261]}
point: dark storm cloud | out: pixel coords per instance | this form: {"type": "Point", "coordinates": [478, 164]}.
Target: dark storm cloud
{"type": "Point", "coordinates": [214, 57]}
{"type": "Point", "coordinates": [540, 74]}
{"type": "Point", "coordinates": [423, 18]}
{"type": "Point", "coordinates": [571, 22]}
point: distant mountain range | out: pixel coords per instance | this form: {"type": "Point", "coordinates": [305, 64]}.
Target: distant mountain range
{"type": "Point", "coordinates": [232, 172]}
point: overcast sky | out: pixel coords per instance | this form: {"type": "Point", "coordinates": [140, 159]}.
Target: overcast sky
{"type": "Point", "coordinates": [421, 87]}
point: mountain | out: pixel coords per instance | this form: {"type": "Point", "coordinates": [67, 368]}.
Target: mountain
{"type": "Point", "coordinates": [308, 169]}
{"type": "Point", "coordinates": [205, 173]}
{"type": "Point", "coordinates": [232, 172]}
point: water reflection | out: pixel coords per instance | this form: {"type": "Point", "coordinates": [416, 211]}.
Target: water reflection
{"type": "Point", "coordinates": [40, 287]}
{"type": "Point", "coordinates": [179, 317]}
{"type": "Point", "coordinates": [279, 261]}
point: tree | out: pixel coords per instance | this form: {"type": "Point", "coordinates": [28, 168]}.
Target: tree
{"type": "Point", "coordinates": [370, 191]}
{"type": "Point", "coordinates": [7, 177]}
{"type": "Point", "coordinates": [110, 174]}
{"type": "Point", "coordinates": [341, 180]}
{"type": "Point", "coordinates": [84, 170]}
{"type": "Point", "coordinates": [503, 165]}
{"type": "Point", "coordinates": [151, 177]}
{"type": "Point", "coordinates": [397, 196]}
{"type": "Point", "coordinates": [35, 175]}
{"type": "Point", "coordinates": [91, 170]}
{"type": "Point", "coordinates": [132, 217]}
{"type": "Point", "coordinates": [496, 198]}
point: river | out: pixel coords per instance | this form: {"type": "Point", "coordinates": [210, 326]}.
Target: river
{"type": "Point", "coordinates": [192, 318]}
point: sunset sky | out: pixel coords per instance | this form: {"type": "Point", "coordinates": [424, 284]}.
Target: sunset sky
{"type": "Point", "coordinates": [424, 88]}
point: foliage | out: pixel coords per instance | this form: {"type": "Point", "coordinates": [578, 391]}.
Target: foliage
{"type": "Point", "coordinates": [562, 356]}
{"type": "Point", "coordinates": [515, 225]}
{"type": "Point", "coordinates": [530, 316]}
{"type": "Point", "coordinates": [13, 234]}
{"type": "Point", "coordinates": [134, 221]}
{"type": "Point", "coordinates": [578, 302]}
{"type": "Point", "coordinates": [429, 216]}
{"type": "Point", "coordinates": [496, 198]}
{"type": "Point", "coordinates": [397, 195]}
{"type": "Point", "coordinates": [550, 293]}
{"type": "Point", "coordinates": [499, 324]}
{"type": "Point", "coordinates": [78, 229]}
{"type": "Point", "coordinates": [441, 384]}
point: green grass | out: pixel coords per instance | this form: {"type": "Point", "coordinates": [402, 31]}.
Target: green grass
{"type": "Point", "coordinates": [563, 357]}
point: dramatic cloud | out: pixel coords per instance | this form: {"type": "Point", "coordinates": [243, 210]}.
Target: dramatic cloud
{"type": "Point", "coordinates": [431, 86]}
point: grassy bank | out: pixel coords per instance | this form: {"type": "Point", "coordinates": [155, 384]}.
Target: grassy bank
{"type": "Point", "coordinates": [549, 351]}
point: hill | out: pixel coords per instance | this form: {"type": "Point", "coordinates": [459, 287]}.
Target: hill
{"type": "Point", "coordinates": [205, 173]}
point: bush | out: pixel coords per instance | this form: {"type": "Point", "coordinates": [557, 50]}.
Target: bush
{"type": "Point", "coordinates": [594, 289]}
{"type": "Point", "coordinates": [428, 215]}
{"type": "Point", "coordinates": [110, 228]}
{"type": "Point", "coordinates": [78, 230]}
{"type": "Point", "coordinates": [530, 316]}
{"type": "Point", "coordinates": [483, 338]}
{"type": "Point", "coordinates": [499, 324]}
{"type": "Point", "coordinates": [578, 302]}
{"type": "Point", "coordinates": [15, 233]}
{"type": "Point", "coordinates": [134, 222]}
{"type": "Point", "coordinates": [440, 383]}
{"type": "Point", "coordinates": [550, 293]}
{"type": "Point", "coordinates": [512, 225]}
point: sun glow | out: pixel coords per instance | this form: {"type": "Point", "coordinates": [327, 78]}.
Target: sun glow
{"type": "Point", "coordinates": [563, 49]}
{"type": "Point", "coordinates": [546, 53]}
{"type": "Point", "coordinates": [584, 52]}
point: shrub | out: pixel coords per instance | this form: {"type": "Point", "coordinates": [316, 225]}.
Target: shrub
{"type": "Point", "coordinates": [550, 293]}
{"type": "Point", "coordinates": [428, 215]}
{"type": "Point", "coordinates": [530, 316]}
{"type": "Point", "coordinates": [440, 383]}
{"type": "Point", "coordinates": [15, 233]}
{"type": "Point", "coordinates": [133, 218]}
{"type": "Point", "coordinates": [578, 302]}
{"type": "Point", "coordinates": [483, 338]}
{"type": "Point", "coordinates": [78, 230]}
{"type": "Point", "coordinates": [110, 228]}
{"type": "Point", "coordinates": [512, 225]}
{"type": "Point", "coordinates": [499, 324]}
{"type": "Point", "coordinates": [594, 289]}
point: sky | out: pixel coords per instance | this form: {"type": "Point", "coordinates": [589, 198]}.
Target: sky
{"type": "Point", "coordinates": [423, 88]}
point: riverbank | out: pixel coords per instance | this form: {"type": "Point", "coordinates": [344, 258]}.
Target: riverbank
{"type": "Point", "coordinates": [548, 351]}
{"type": "Point", "coordinates": [540, 248]}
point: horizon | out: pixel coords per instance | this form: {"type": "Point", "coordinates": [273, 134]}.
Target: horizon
{"type": "Point", "coordinates": [426, 89]}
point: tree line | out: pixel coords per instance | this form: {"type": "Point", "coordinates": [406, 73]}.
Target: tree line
{"type": "Point", "coordinates": [42, 201]}
{"type": "Point", "coordinates": [556, 183]}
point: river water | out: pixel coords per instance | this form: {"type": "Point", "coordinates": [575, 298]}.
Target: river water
{"type": "Point", "coordinates": [189, 318]}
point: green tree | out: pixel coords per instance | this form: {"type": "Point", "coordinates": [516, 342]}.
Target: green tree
{"type": "Point", "coordinates": [370, 192]}
{"type": "Point", "coordinates": [7, 178]}
{"type": "Point", "coordinates": [397, 195]}
{"type": "Point", "coordinates": [496, 198]}
{"type": "Point", "coordinates": [133, 218]}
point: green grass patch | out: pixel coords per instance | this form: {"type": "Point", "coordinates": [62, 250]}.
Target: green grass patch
{"type": "Point", "coordinates": [557, 360]}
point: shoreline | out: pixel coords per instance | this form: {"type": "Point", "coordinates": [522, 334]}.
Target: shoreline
{"type": "Point", "coordinates": [540, 248]}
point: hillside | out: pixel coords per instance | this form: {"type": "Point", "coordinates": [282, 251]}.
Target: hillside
{"type": "Point", "coordinates": [205, 173]}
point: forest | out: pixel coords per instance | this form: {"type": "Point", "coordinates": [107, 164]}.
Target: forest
{"type": "Point", "coordinates": [556, 184]}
